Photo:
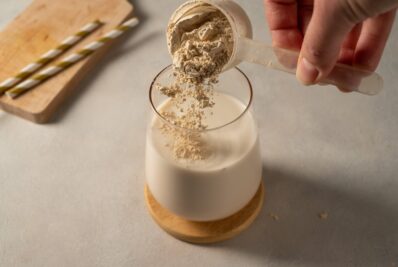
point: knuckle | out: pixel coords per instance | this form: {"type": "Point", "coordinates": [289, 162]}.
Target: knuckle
{"type": "Point", "coordinates": [354, 11]}
{"type": "Point", "coordinates": [316, 55]}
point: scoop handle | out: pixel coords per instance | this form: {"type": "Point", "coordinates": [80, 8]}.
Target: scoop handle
{"type": "Point", "coordinates": [343, 76]}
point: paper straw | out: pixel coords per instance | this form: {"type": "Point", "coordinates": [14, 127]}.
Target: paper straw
{"type": "Point", "coordinates": [71, 59]}
{"type": "Point", "coordinates": [49, 56]}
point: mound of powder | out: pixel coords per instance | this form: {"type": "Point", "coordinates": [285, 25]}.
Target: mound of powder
{"type": "Point", "coordinates": [201, 53]}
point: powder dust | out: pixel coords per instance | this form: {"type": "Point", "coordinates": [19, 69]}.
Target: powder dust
{"type": "Point", "coordinates": [200, 52]}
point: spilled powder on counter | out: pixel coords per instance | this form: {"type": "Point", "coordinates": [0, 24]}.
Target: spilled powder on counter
{"type": "Point", "coordinates": [199, 55]}
{"type": "Point", "coordinates": [323, 215]}
{"type": "Point", "coordinates": [274, 216]}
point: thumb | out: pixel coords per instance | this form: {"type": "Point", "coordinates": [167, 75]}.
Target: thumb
{"type": "Point", "coordinates": [322, 42]}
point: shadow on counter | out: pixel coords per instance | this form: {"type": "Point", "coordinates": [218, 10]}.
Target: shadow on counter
{"type": "Point", "coordinates": [356, 232]}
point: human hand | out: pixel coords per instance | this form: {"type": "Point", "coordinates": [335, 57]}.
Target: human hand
{"type": "Point", "coordinates": [352, 32]}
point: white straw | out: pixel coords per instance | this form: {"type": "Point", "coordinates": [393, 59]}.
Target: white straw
{"type": "Point", "coordinates": [71, 59]}
{"type": "Point", "coordinates": [49, 56]}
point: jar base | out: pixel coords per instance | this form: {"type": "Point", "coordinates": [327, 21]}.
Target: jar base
{"type": "Point", "coordinates": [205, 232]}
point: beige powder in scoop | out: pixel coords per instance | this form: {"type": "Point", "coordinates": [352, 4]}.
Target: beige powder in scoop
{"type": "Point", "coordinates": [202, 52]}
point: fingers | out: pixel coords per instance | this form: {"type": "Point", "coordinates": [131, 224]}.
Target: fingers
{"type": "Point", "coordinates": [372, 40]}
{"type": "Point", "coordinates": [347, 53]}
{"type": "Point", "coordinates": [305, 9]}
{"type": "Point", "coordinates": [359, 10]}
{"type": "Point", "coordinates": [347, 50]}
{"type": "Point", "coordinates": [282, 20]}
{"type": "Point", "coordinates": [322, 42]}
{"type": "Point", "coordinates": [333, 32]}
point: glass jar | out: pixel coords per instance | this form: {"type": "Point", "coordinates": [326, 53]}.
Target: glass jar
{"type": "Point", "coordinates": [227, 175]}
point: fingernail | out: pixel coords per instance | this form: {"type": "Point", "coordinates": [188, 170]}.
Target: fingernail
{"type": "Point", "coordinates": [306, 72]}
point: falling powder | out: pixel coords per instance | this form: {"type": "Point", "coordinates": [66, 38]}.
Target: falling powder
{"type": "Point", "coordinates": [200, 50]}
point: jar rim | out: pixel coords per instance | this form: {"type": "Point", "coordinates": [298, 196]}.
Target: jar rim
{"type": "Point", "coordinates": [154, 108]}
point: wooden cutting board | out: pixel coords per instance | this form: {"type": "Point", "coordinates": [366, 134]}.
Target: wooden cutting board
{"type": "Point", "coordinates": [43, 25]}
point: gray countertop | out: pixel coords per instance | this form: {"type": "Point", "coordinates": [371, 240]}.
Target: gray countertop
{"type": "Point", "coordinates": [71, 192]}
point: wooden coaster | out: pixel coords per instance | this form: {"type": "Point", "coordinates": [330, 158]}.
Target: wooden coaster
{"type": "Point", "coordinates": [205, 232]}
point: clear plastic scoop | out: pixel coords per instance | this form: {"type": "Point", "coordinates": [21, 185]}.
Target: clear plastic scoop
{"type": "Point", "coordinates": [246, 49]}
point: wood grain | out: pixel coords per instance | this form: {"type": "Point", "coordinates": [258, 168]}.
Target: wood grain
{"type": "Point", "coordinates": [205, 232]}
{"type": "Point", "coordinates": [43, 25]}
